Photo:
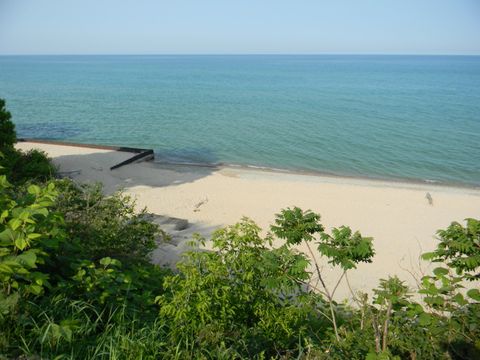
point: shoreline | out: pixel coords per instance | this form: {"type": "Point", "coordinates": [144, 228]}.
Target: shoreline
{"type": "Point", "coordinates": [401, 182]}
{"type": "Point", "coordinates": [381, 180]}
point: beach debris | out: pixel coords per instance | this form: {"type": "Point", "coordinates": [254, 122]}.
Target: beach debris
{"type": "Point", "coordinates": [179, 224]}
{"type": "Point", "coordinates": [98, 168]}
{"type": "Point", "coordinates": [428, 196]}
{"type": "Point", "coordinates": [168, 223]}
{"type": "Point", "coordinates": [196, 207]}
{"type": "Point", "coordinates": [69, 173]}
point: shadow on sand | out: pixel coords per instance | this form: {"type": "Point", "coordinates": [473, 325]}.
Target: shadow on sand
{"type": "Point", "coordinates": [95, 167]}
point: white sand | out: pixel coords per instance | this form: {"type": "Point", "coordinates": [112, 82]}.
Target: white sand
{"type": "Point", "coordinates": [397, 215]}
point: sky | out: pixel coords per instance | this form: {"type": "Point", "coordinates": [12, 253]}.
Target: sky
{"type": "Point", "coordinates": [239, 27]}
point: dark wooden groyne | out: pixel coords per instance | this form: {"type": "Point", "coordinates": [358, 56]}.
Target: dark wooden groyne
{"type": "Point", "coordinates": [141, 154]}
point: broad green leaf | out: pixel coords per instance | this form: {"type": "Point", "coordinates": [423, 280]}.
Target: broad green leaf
{"type": "Point", "coordinates": [28, 258]}
{"type": "Point", "coordinates": [6, 237]}
{"type": "Point", "coordinates": [24, 215]}
{"type": "Point", "coordinates": [33, 236]}
{"type": "Point", "coordinates": [15, 223]}
{"type": "Point", "coordinates": [425, 319]}
{"type": "Point", "coordinates": [35, 289]}
{"type": "Point", "coordinates": [21, 243]}
{"type": "Point", "coordinates": [41, 211]}
{"type": "Point", "coordinates": [4, 182]}
{"type": "Point", "coordinates": [4, 215]}
{"type": "Point", "coordinates": [439, 271]}
{"type": "Point", "coordinates": [33, 189]}
{"type": "Point", "coordinates": [105, 261]}
{"type": "Point", "coordinates": [6, 268]}
{"type": "Point", "coordinates": [474, 294]}
{"type": "Point", "coordinates": [429, 255]}
{"type": "Point", "coordinates": [459, 299]}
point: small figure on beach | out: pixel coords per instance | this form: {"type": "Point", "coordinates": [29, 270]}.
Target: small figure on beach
{"type": "Point", "coordinates": [429, 198]}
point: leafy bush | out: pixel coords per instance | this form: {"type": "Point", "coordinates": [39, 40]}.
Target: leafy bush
{"type": "Point", "coordinates": [39, 268]}
{"type": "Point", "coordinates": [445, 325]}
{"type": "Point", "coordinates": [236, 298]}
{"type": "Point", "coordinates": [459, 249]}
{"type": "Point", "coordinates": [109, 282]}
{"type": "Point", "coordinates": [8, 136]}
{"type": "Point", "coordinates": [31, 166]}
{"type": "Point", "coordinates": [28, 232]}
{"type": "Point", "coordinates": [341, 248]}
{"type": "Point", "coordinates": [266, 297]}
{"type": "Point", "coordinates": [105, 226]}
{"type": "Point", "coordinates": [454, 312]}
{"type": "Point", "coordinates": [20, 167]}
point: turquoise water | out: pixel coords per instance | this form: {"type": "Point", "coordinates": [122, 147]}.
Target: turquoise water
{"type": "Point", "coordinates": [404, 117]}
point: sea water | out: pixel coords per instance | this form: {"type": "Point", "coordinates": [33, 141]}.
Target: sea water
{"type": "Point", "coordinates": [392, 117]}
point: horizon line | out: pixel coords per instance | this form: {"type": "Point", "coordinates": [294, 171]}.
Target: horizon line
{"type": "Point", "coordinates": [244, 54]}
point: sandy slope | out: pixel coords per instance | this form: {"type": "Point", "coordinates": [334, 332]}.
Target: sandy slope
{"type": "Point", "coordinates": [397, 215]}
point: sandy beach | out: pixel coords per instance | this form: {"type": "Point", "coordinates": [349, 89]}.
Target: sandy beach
{"type": "Point", "coordinates": [399, 216]}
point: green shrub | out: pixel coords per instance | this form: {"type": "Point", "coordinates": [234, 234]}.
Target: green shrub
{"type": "Point", "coordinates": [20, 167]}
{"type": "Point", "coordinates": [445, 325]}
{"type": "Point", "coordinates": [31, 166]}
{"type": "Point", "coordinates": [106, 226]}
{"type": "Point", "coordinates": [29, 231]}
{"type": "Point", "coordinates": [109, 282]}
{"type": "Point", "coordinates": [342, 248]}
{"type": "Point", "coordinates": [54, 301]}
{"type": "Point", "coordinates": [454, 312]}
{"type": "Point", "coordinates": [237, 297]}
{"type": "Point", "coordinates": [8, 136]}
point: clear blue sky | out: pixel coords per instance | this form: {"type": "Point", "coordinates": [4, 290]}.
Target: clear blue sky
{"type": "Point", "coordinates": [239, 26]}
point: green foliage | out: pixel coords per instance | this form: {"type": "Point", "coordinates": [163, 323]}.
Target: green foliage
{"type": "Point", "coordinates": [238, 297]}
{"type": "Point", "coordinates": [459, 248]}
{"type": "Point", "coordinates": [391, 298]}
{"type": "Point", "coordinates": [455, 312]}
{"type": "Point", "coordinates": [295, 225]}
{"type": "Point", "coordinates": [7, 129]}
{"type": "Point", "coordinates": [459, 251]}
{"type": "Point", "coordinates": [28, 231]}
{"type": "Point", "coordinates": [346, 249]}
{"type": "Point", "coordinates": [31, 166]}
{"type": "Point", "coordinates": [109, 282]}
{"type": "Point", "coordinates": [341, 248]}
{"type": "Point", "coordinates": [53, 300]}
{"type": "Point", "coordinates": [58, 327]}
{"type": "Point", "coordinates": [20, 167]}
{"type": "Point", "coordinates": [391, 292]}
{"type": "Point", "coordinates": [105, 226]}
